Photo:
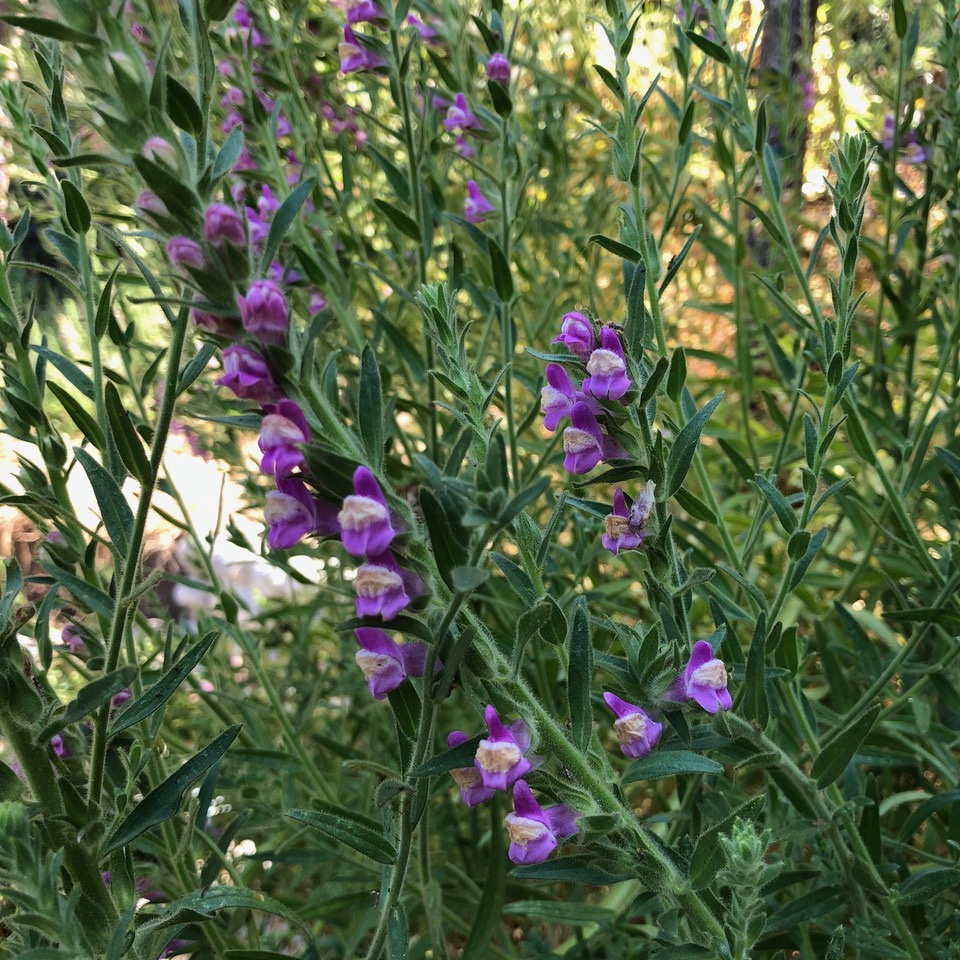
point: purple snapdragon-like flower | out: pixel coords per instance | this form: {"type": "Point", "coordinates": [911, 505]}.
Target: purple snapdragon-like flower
{"type": "Point", "coordinates": [71, 636]}
{"type": "Point", "coordinates": [460, 117]}
{"type": "Point", "coordinates": [317, 302]}
{"type": "Point", "coordinates": [386, 663]}
{"type": "Point", "coordinates": [534, 832]}
{"type": "Point", "coordinates": [637, 732]}
{"type": "Point", "coordinates": [247, 375]}
{"type": "Point", "coordinates": [427, 33]}
{"type": "Point", "coordinates": [365, 526]}
{"type": "Point", "coordinates": [704, 679]}
{"type": "Point", "coordinates": [291, 512]}
{"type": "Point", "coordinates": [222, 224]}
{"type": "Point", "coordinates": [476, 206]}
{"type": "Point", "coordinates": [576, 334]}
{"type": "Point", "coordinates": [607, 367]}
{"type": "Point", "coordinates": [500, 757]}
{"type": "Point", "coordinates": [462, 147]}
{"type": "Point", "coordinates": [264, 312]}
{"type": "Point", "coordinates": [362, 11]}
{"type": "Point", "coordinates": [585, 444]}
{"type": "Point", "coordinates": [159, 149]}
{"type": "Point", "coordinates": [183, 251]}
{"type": "Point", "coordinates": [557, 397]}
{"type": "Point", "coordinates": [498, 70]}
{"type": "Point", "coordinates": [283, 429]}
{"type": "Point", "coordinates": [473, 791]}
{"type": "Point", "coordinates": [383, 587]}
{"type": "Point", "coordinates": [626, 529]}
{"type": "Point", "coordinates": [149, 204]}
{"type": "Point", "coordinates": [354, 56]}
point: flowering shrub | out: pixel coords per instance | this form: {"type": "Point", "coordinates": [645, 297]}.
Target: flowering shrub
{"type": "Point", "coordinates": [676, 613]}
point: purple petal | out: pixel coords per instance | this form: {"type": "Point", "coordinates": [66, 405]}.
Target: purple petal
{"type": "Point", "coordinates": [620, 707]}
{"type": "Point", "coordinates": [414, 658]}
{"type": "Point", "coordinates": [524, 803]}
{"type": "Point", "coordinates": [378, 641]}
{"type": "Point", "coordinates": [707, 697]}
{"type": "Point", "coordinates": [562, 820]}
{"type": "Point", "coordinates": [521, 734]}
{"type": "Point", "coordinates": [702, 653]}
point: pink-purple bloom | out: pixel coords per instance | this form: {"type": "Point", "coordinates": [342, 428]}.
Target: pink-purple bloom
{"type": "Point", "coordinates": [183, 251]}
{"type": "Point", "coordinates": [637, 732]}
{"type": "Point", "coordinates": [704, 679]}
{"type": "Point", "coordinates": [626, 529]}
{"type": "Point", "coordinates": [354, 56]}
{"type": "Point", "coordinates": [386, 663]}
{"type": "Point", "coordinates": [473, 791]}
{"type": "Point", "coordinates": [576, 334]}
{"type": "Point", "coordinates": [557, 397]}
{"type": "Point", "coordinates": [427, 33]}
{"type": "Point", "coordinates": [283, 429]}
{"type": "Point", "coordinates": [247, 375]}
{"type": "Point", "coordinates": [476, 206]}
{"type": "Point", "coordinates": [264, 312]}
{"type": "Point", "coordinates": [536, 832]}
{"type": "Point", "coordinates": [607, 367]}
{"type": "Point", "coordinates": [365, 526]}
{"type": "Point", "coordinates": [383, 587]}
{"type": "Point", "coordinates": [460, 117]}
{"type": "Point", "coordinates": [291, 512]}
{"type": "Point", "coordinates": [360, 11]}
{"type": "Point", "coordinates": [222, 224]}
{"type": "Point", "coordinates": [150, 204]}
{"type": "Point", "coordinates": [500, 757]}
{"type": "Point", "coordinates": [157, 148]}
{"type": "Point", "coordinates": [584, 443]}
{"type": "Point", "coordinates": [498, 70]}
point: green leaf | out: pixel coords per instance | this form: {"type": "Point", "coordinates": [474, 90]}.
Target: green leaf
{"type": "Point", "coordinates": [182, 108]}
{"type": "Point", "coordinates": [755, 688]}
{"type": "Point", "coordinates": [502, 278]}
{"type": "Point", "coordinates": [781, 507]}
{"type": "Point", "coordinates": [818, 904]}
{"type": "Point", "coordinates": [129, 444]}
{"type": "Point", "coordinates": [678, 374]}
{"type": "Point", "coordinates": [88, 699]}
{"type": "Point", "coordinates": [685, 447]}
{"type": "Point", "coordinates": [636, 313]}
{"type": "Point", "coordinates": [282, 221]}
{"type": "Point", "coordinates": [229, 154]}
{"type": "Point", "coordinates": [370, 407]}
{"type": "Point", "coordinates": [114, 509]}
{"type": "Point", "coordinates": [579, 868]}
{"type": "Point", "coordinates": [406, 225]}
{"type": "Point", "coordinates": [517, 577]}
{"type": "Point", "coordinates": [816, 541]}
{"type": "Point", "coordinates": [448, 549]}
{"type": "Point", "coordinates": [178, 197]}
{"type": "Point", "coordinates": [775, 235]}
{"type": "Point", "coordinates": [708, 853]}
{"type": "Point", "coordinates": [201, 906]}
{"type": "Point", "coordinates": [837, 754]}
{"type": "Point", "coordinates": [566, 912]}
{"type": "Point", "coordinates": [613, 85]}
{"type": "Point", "coordinates": [669, 763]}
{"type": "Point", "coordinates": [711, 49]}
{"type": "Point", "coordinates": [197, 364]}
{"type": "Point", "coordinates": [93, 597]}
{"type": "Point", "coordinates": [899, 19]}
{"type": "Point", "coordinates": [620, 249]}
{"type": "Point", "coordinates": [467, 579]}
{"type": "Point", "coordinates": [453, 759]}
{"type": "Point", "coordinates": [677, 262]}
{"type": "Point", "coordinates": [164, 688]}
{"type": "Point", "coordinates": [68, 368]}
{"type": "Point", "coordinates": [52, 29]}
{"type": "Point", "coordinates": [926, 810]}
{"type": "Point", "coordinates": [361, 833]}
{"type": "Point", "coordinates": [163, 803]}
{"type": "Point", "coordinates": [580, 675]}
{"type": "Point", "coordinates": [487, 919]}
{"type": "Point", "coordinates": [78, 213]}
{"type": "Point", "coordinates": [103, 307]}
{"type": "Point", "coordinates": [86, 423]}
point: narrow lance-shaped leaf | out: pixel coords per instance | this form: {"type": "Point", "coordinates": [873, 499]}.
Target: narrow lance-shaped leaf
{"type": "Point", "coordinates": [580, 675]}
{"type": "Point", "coordinates": [685, 447]}
{"type": "Point", "coordinates": [89, 698]}
{"type": "Point", "coordinates": [361, 833]}
{"type": "Point", "coordinates": [114, 509]}
{"type": "Point", "coordinates": [282, 220]}
{"type": "Point", "coordinates": [834, 757]}
{"type": "Point", "coordinates": [371, 407]}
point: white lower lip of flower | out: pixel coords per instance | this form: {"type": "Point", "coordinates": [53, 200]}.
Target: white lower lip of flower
{"type": "Point", "coordinates": [281, 506]}
{"type": "Point", "coordinates": [372, 580]}
{"type": "Point", "coordinates": [552, 397]}
{"type": "Point", "coordinates": [578, 441]}
{"type": "Point", "coordinates": [348, 50]}
{"type": "Point", "coordinates": [360, 512]}
{"type": "Point", "coordinates": [466, 777]}
{"type": "Point", "coordinates": [521, 830]}
{"type": "Point", "coordinates": [630, 728]}
{"type": "Point", "coordinates": [277, 430]}
{"type": "Point", "coordinates": [372, 664]}
{"type": "Point", "coordinates": [497, 757]}
{"type": "Point", "coordinates": [712, 674]}
{"type": "Point", "coordinates": [605, 363]}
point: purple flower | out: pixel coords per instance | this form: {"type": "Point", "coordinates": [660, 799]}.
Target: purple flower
{"type": "Point", "coordinates": [386, 663]}
{"type": "Point", "coordinates": [224, 326]}
{"type": "Point", "coordinates": [284, 427]}
{"type": "Point", "coordinates": [259, 228]}
{"type": "Point", "coordinates": [148, 203]}
{"type": "Point", "coordinates": [222, 224]}
{"type": "Point", "coordinates": [317, 302]}
{"type": "Point", "coordinates": [637, 732]}
{"type": "Point", "coordinates": [72, 637]}
{"type": "Point", "coordinates": [290, 512]}
{"type": "Point", "coordinates": [183, 251]}
{"type": "Point", "coordinates": [267, 203]}
{"type": "Point", "coordinates": [247, 375]}
{"type": "Point", "coordinates": [232, 98]}
{"type": "Point", "coordinates": [427, 33]}
{"type": "Point", "coordinates": [365, 526]}
{"type": "Point", "coordinates": [462, 147]}
{"type": "Point", "coordinates": [557, 397]}
{"type": "Point", "coordinates": [468, 779]}
{"type": "Point", "coordinates": [156, 148]}
{"type": "Point", "coordinates": [626, 529]}
{"type": "Point", "coordinates": [534, 832]}
{"type": "Point", "coordinates": [576, 333]}
{"type": "Point", "coordinates": [383, 587]}
{"type": "Point", "coordinates": [59, 747]}
{"type": "Point", "coordinates": [119, 699]}
{"type": "Point", "coordinates": [264, 312]}
{"type": "Point", "coordinates": [359, 11]}
{"type": "Point", "coordinates": [477, 206]}
{"type": "Point", "coordinates": [280, 274]}
{"type": "Point", "coordinates": [703, 680]}
{"type": "Point", "coordinates": [500, 757]}
{"type": "Point", "coordinates": [585, 444]}
{"type": "Point", "coordinates": [231, 120]}
{"type": "Point", "coordinates": [459, 116]}
{"type": "Point", "coordinates": [607, 368]}
{"type": "Point", "coordinates": [354, 56]}
{"type": "Point", "coordinates": [498, 70]}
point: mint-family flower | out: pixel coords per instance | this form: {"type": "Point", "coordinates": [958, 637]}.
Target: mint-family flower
{"type": "Point", "coordinates": [500, 757]}
{"type": "Point", "coordinates": [158, 149]}
{"type": "Point", "coordinates": [149, 204]}
{"type": "Point", "coordinates": [291, 511]}
{"type": "Point", "coordinates": [626, 529]}
{"type": "Point", "coordinates": [607, 367]}
{"type": "Point", "coordinates": [460, 117]}
{"type": "Point", "coordinates": [498, 70]}
{"type": "Point", "coordinates": [637, 732]}
{"type": "Point", "coordinates": [183, 251]}
{"type": "Point", "coordinates": [576, 334]}
{"type": "Point", "coordinates": [247, 375]}
{"type": "Point", "coordinates": [704, 679]}
{"type": "Point", "coordinates": [361, 11]}
{"type": "Point", "coordinates": [383, 587]}
{"type": "Point", "coordinates": [222, 224]}
{"type": "Point", "coordinates": [386, 663]}
{"type": "Point", "coordinates": [264, 312]}
{"type": "Point", "coordinates": [584, 443]}
{"type": "Point", "coordinates": [354, 56]}
{"type": "Point", "coordinates": [476, 206]}
{"type": "Point", "coordinates": [473, 791]}
{"type": "Point", "coordinates": [534, 832]}
{"type": "Point", "coordinates": [557, 397]}
{"type": "Point", "coordinates": [282, 431]}
{"type": "Point", "coordinates": [365, 526]}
